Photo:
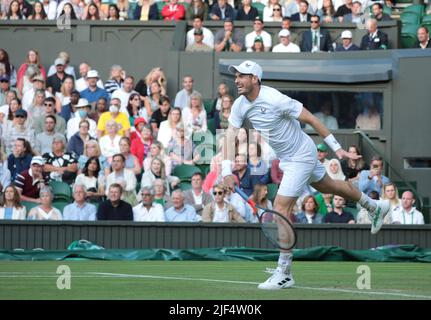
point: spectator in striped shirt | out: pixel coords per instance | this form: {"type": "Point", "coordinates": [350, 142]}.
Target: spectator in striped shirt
{"type": "Point", "coordinates": [115, 80]}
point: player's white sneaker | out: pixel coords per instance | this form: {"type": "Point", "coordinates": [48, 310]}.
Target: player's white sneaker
{"type": "Point", "coordinates": [278, 280]}
{"type": "Point", "coordinates": [379, 214]}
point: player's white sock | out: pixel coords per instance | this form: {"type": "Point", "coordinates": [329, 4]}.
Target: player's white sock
{"type": "Point", "coordinates": [285, 261]}
{"type": "Point", "coordinates": [368, 203]}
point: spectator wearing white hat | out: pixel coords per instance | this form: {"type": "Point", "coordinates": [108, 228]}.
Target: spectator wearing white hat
{"type": "Point", "coordinates": [347, 43]}
{"type": "Point", "coordinates": [93, 93]}
{"type": "Point", "coordinates": [285, 45]}
{"type": "Point", "coordinates": [81, 83]}
{"type": "Point", "coordinates": [54, 82]}
{"type": "Point", "coordinates": [30, 181]}
{"type": "Point", "coordinates": [81, 113]}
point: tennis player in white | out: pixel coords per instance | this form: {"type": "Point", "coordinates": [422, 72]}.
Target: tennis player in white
{"type": "Point", "coordinates": [279, 117]}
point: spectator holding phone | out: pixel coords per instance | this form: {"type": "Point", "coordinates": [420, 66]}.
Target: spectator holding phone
{"type": "Point", "coordinates": [373, 179]}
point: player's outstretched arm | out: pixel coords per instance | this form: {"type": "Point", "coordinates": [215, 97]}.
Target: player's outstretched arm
{"type": "Point", "coordinates": [308, 118]}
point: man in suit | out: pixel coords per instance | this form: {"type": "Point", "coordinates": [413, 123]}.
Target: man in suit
{"type": "Point", "coordinates": [347, 45]}
{"type": "Point", "coordinates": [302, 15]}
{"type": "Point", "coordinates": [222, 10]}
{"type": "Point", "coordinates": [423, 38]}
{"type": "Point", "coordinates": [316, 39]}
{"type": "Point", "coordinates": [374, 39]}
{"type": "Point", "coordinates": [196, 197]}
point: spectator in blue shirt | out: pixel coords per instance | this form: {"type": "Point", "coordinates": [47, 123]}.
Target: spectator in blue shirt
{"type": "Point", "coordinates": [20, 158]}
{"type": "Point", "coordinates": [246, 178]}
{"type": "Point", "coordinates": [180, 212]}
{"type": "Point", "coordinates": [80, 209]}
{"type": "Point", "coordinates": [373, 179]}
{"type": "Point", "coordinates": [68, 110]}
{"type": "Point", "coordinates": [93, 92]}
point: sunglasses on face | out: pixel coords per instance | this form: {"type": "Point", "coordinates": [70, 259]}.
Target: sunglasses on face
{"type": "Point", "coordinates": [276, 9]}
{"type": "Point", "coordinates": [48, 104]}
{"type": "Point", "coordinates": [19, 116]}
{"type": "Point", "coordinates": [146, 194]}
{"type": "Point", "coordinates": [4, 81]}
{"type": "Point", "coordinates": [314, 21]}
{"type": "Point", "coordinates": [218, 193]}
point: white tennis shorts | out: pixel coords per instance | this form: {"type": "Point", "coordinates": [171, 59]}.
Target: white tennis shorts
{"type": "Point", "coordinates": [297, 175]}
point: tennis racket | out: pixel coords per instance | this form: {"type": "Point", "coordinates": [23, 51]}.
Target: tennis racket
{"type": "Point", "coordinates": [276, 227]}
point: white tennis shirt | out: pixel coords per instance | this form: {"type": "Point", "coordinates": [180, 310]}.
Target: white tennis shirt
{"type": "Point", "coordinates": [275, 116]}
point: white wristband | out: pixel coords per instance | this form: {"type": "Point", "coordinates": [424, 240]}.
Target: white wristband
{"type": "Point", "coordinates": [332, 142]}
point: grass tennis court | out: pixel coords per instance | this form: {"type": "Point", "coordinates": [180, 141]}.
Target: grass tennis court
{"type": "Point", "coordinates": [196, 280]}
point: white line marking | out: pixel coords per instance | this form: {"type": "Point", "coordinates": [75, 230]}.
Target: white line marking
{"type": "Point", "coordinates": [121, 275]}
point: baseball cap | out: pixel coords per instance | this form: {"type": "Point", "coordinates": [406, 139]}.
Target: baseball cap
{"type": "Point", "coordinates": [74, 91]}
{"type": "Point", "coordinates": [138, 121]}
{"type": "Point", "coordinates": [346, 34]}
{"type": "Point", "coordinates": [4, 77]}
{"type": "Point", "coordinates": [82, 103]}
{"type": "Point", "coordinates": [198, 32]}
{"type": "Point", "coordinates": [247, 67]}
{"type": "Point", "coordinates": [38, 77]}
{"type": "Point", "coordinates": [59, 61]}
{"type": "Point", "coordinates": [284, 33]}
{"type": "Point", "coordinates": [92, 74]}
{"type": "Point", "coordinates": [322, 147]}
{"type": "Point", "coordinates": [21, 112]}
{"type": "Point", "coordinates": [37, 160]}
{"type": "Point", "coordinates": [258, 19]}
{"type": "Point", "coordinates": [258, 39]}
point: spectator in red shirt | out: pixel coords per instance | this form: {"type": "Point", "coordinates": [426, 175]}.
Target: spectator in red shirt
{"type": "Point", "coordinates": [29, 182]}
{"type": "Point", "coordinates": [173, 11]}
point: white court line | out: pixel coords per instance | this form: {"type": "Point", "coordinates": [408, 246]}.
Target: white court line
{"type": "Point", "coordinates": [405, 295]}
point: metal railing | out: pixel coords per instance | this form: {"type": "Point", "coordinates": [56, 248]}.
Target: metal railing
{"type": "Point", "coordinates": [419, 199]}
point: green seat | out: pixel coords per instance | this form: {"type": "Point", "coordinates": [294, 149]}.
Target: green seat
{"type": "Point", "coordinates": [211, 126]}
{"type": "Point", "coordinates": [408, 36]}
{"type": "Point", "coordinates": [272, 191]}
{"type": "Point", "coordinates": [61, 190]}
{"type": "Point", "coordinates": [353, 211]}
{"type": "Point", "coordinates": [410, 18]}
{"type": "Point", "coordinates": [208, 105]}
{"type": "Point", "coordinates": [184, 186]}
{"type": "Point", "coordinates": [415, 8]}
{"type": "Point", "coordinates": [426, 20]}
{"type": "Point", "coordinates": [29, 205]}
{"type": "Point", "coordinates": [204, 168]}
{"type": "Point", "coordinates": [404, 1]}
{"type": "Point", "coordinates": [259, 6]}
{"type": "Point", "coordinates": [160, 5]}
{"type": "Point", "coordinates": [60, 204]}
{"type": "Point", "coordinates": [184, 171]}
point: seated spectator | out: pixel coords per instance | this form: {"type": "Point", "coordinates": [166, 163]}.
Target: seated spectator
{"type": "Point", "coordinates": [197, 8]}
{"type": "Point", "coordinates": [276, 172]}
{"type": "Point", "coordinates": [377, 10]}
{"type": "Point", "coordinates": [373, 179]}
{"type": "Point", "coordinates": [114, 208]}
{"type": "Point", "coordinates": [113, 13]}
{"type": "Point", "coordinates": [390, 192]}
{"type": "Point", "coordinates": [81, 84]}
{"type": "Point", "coordinates": [180, 212]}
{"type": "Point", "coordinates": [316, 39]}
{"type": "Point", "coordinates": [110, 143]}
{"type": "Point", "coordinates": [44, 139]}
{"type": "Point", "coordinates": [194, 116]}
{"type": "Point", "coordinates": [180, 149]}
{"type": "Point", "coordinates": [195, 196]}
{"type": "Point", "coordinates": [82, 114]}
{"type": "Point", "coordinates": [363, 216]}
{"type": "Point", "coordinates": [68, 11]}
{"type": "Point", "coordinates": [258, 45]}
{"type": "Point", "coordinates": [344, 9]}
{"type": "Point", "coordinates": [132, 163]}
{"type": "Point", "coordinates": [324, 201]}
{"type": "Point", "coordinates": [93, 179]}
{"type": "Point", "coordinates": [10, 70]}
{"type": "Point", "coordinates": [309, 212]}
{"type": "Point", "coordinates": [322, 153]}
{"type": "Point", "coordinates": [29, 182]}
{"type": "Point", "coordinates": [36, 108]}
{"type": "Point", "coordinates": [273, 11]}
{"type": "Point", "coordinates": [5, 175]}
{"type": "Point", "coordinates": [55, 81]}
{"type": "Point", "coordinates": [326, 117]}
{"type": "Point", "coordinates": [68, 110]}
{"type": "Point", "coordinates": [258, 31]}
{"type": "Point", "coordinates": [61, 165]}
{"type": "Point", "coordinates": [173, 11]}
{"type": "Point", "coordinates": [347, 43]}
{"type": "Point", "coordinates": [145, 10]}
{"type": "Point", "coordinates": [231, 197]}
{"type": "Point", "coordinates": [50, 8]}
{"type": "Point", "coordinates": [218, 210]}
{"type": "Point", "coordinates": [92, 149]}
{"type": "Point", "coordinates": [222, 90]}
{"type": "Point", "coordinates": [351, 167]}
{"type": "Point", "coordinates": [68, 69]}
{"type": "Point", "coordinates": [285, 44]}
{"type": "Point", "coordinates": [135, 110]}
{"type": "Point", "coordinates": [141, 144]}
{"type": "Point", "coordinates": [11, 207]}
{"type": "Point", "coordinates": [62, 97]}
{"type": "Point", "coordinates": [260, 197]}
{"type": "Point", "coordinates": [374, 39]}
{"type": "Point", "coordinates": [92, 12]}
{"type": "Point", "coordinates": [152, 101]}
{"type": "Point", "coordinates": [208, 36]}
{"type": "Point", "coordinates": [39, 122]}
{"type": "Point", "coordinates": [302, 15]}
{"type": "Point", "coordinates": [78, 140]}
{"type": "Point", "coordinates": [214, 176]}
{"type": "Point", "coordinates": [221, 116]}
{"type": "Point", "coordinates": [101, 107]}
{"type": "Point", "coordinates": [356, 16]}
{"type": "Point", "coordinates": [198, 45]}
{"type": "Point", "coordinates": [286, 24]}
{"type": "Point", "coordinates": [120, 118]}
{"type": "Point", "coordinates": [156, 150]}
{"type": "Point", "coordinates": [369, 119]}
{"type": "Point", "coordinates": [182, 98]}
{"type": "Point", "coordinates": [406, 213]}
{"type": "Point", "coordinates": [160, 114]}
{"type": "Point", "coordinates": [246, 12]}
{"type": "Point", "coordinates": [258, 166]}
{"type": "Point", "coordinates": [168, 128]}
{"type": "Point", "coordinates": [93, 92]}
{"type": "Point", "coordinates": [143, 85]}
{"type": "Point", "coordinates": [228, 39]}
{"type": "Point", "coordinates": [423, 41]}
{"type": "Point", "coordinates": [124, 177]}
{"type": "Point", "coordinates": [327, 12]}
{"type": "Point", "coordinates": [37, 83]}
{"type": "Point", "coordinates": [79, 210]}
{"type": "Point", "coordinates": [148, 210]}
{"type": "Point", "coordinates": [20, 158]}
{"type": "Point", "coordinates": [33, 64]}
{"type": "Point", "coordinates": [157, 171]}
{"type": "Point", "coordinates": [124, 93]}
{"type": "Point", "coordinates": [14, 12]}
{"type": "Point", "coordinates": [246, 179]}
{"type": "Point", "coordinates": [160, 194]}
{"type": "Point", "coordinates": [19, 127]}
{"type": "Point", "coordinates": [45, 210]}
{"type": "Point", "coordinates": [335, 171]}
{"type": "Point", "coordinates": [338, 215]}
{"type": "Point", "coordinates": [222, 11]}
{"type": "Point", "coordinates": [241, 142]}
{"type": "Point", "coordinates": [116, 79]}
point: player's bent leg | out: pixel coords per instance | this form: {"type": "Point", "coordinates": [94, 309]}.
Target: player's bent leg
{"type": "Point", "coordinates": [378, 209]}
{"type": "Point", "coordinates": [282, 276]}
